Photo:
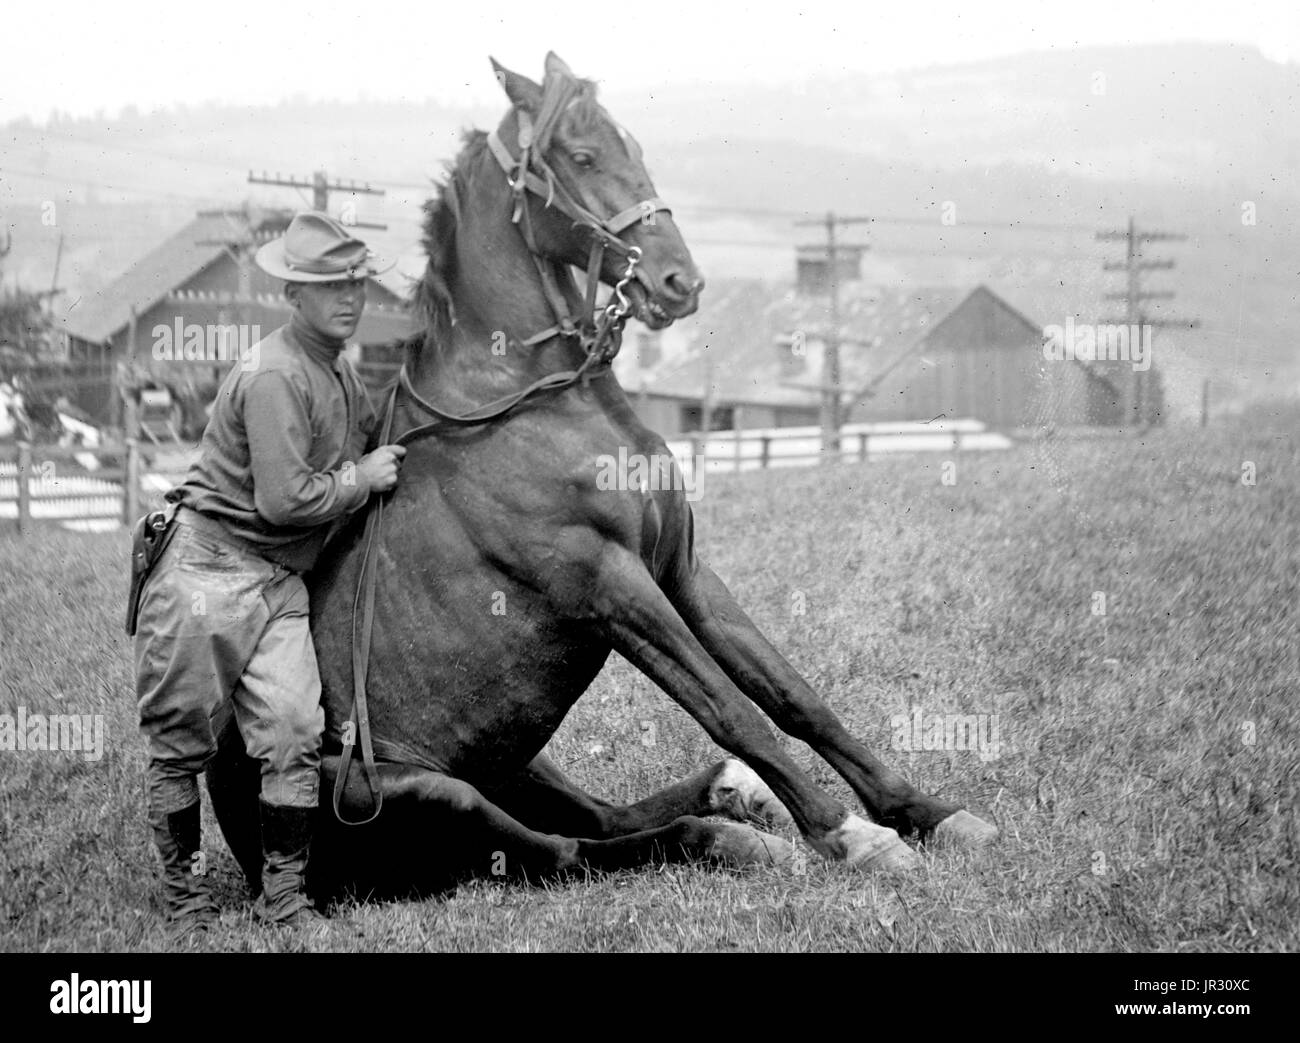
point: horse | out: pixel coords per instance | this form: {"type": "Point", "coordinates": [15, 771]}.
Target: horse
{"type": "Point", "coordinates": [503, 573]}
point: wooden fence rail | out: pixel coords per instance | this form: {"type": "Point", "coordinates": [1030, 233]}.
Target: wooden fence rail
{"type": "Point", "coordinates": [31, 480]}
{"type": "Point", "coordinates": [763, 449]}
{"type": "Point", "coordinates": [862, 441]}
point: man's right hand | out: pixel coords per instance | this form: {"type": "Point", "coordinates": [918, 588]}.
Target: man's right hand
{"type": "Point", "coordinates": [379, 468]}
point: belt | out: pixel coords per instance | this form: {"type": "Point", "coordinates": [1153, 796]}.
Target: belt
{"type": "Point", "coordinates": [210, 526]}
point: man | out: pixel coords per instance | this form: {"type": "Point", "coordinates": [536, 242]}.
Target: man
{"type": "Point", "coordinates": [223, 619]}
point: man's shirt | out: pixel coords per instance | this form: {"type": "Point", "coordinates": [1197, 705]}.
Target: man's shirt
{"type": "Point", "coordinates": [271, 468]}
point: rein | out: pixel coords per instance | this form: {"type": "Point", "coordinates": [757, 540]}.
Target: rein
{"type": "Point", "coordinates": [599, 336]}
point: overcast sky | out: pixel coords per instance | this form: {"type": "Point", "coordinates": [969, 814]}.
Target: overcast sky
{"type": "Point", "coordinates": [88, 55]}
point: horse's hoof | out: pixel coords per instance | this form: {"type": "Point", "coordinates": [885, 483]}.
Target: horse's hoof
{"type": "Point", "coordinates": [737, 792]}
{"type": "Point", "coordinates": [869, 846]}
{"type": "Point", "coordinates": [962, 829]}
{"type": "Point", "coordinates": [891, 856]}
{"type": "Point", "coordinates": [742, 846]}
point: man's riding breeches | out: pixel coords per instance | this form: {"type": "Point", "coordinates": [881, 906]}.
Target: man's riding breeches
{"type": "Point", "coordinates": [223, 630]}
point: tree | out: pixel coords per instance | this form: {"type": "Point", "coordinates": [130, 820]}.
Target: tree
{"type": "Point", "coordinates": [26, 332]}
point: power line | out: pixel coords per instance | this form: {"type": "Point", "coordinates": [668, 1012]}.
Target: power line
{"type": "Point", "coordinates": [91, 183]}
{"type": "Point", "coordinates": [141, 151]}
{"type": "Point", "coordinates": [774, 214]}
{"type": "Point", "coordinates": [321, 187]}
{"type": "Point", "coordinates": [431, 184]}
{"type": "Point", "coordinates": [749, 211]}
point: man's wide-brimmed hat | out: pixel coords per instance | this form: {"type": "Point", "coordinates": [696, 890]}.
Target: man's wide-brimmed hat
{"type": "Point", "coordinates": [316, 248]}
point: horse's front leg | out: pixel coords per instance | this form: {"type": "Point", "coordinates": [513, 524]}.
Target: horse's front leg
{"type": "Point", "coordinates": [759, 670]}
{"type": "Point", "coordinates": [647, 630]}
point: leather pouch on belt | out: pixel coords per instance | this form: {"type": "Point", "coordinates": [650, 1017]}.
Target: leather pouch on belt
{"type": "Point", "coordinates": [149, 539]}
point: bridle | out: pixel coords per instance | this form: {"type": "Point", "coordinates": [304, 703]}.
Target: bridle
{"type": "Point", "coordinates": [599, 335]}
{"type": "Point", "coordinates": [530, 172]}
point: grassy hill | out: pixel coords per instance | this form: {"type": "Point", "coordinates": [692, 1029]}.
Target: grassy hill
{"type": "Point", "coordinates": [1145, 787]}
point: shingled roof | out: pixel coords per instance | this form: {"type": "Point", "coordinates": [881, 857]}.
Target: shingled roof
{"type": "Point", "coordinates": [732, 342]}
{"type": "Point", "coordinates": [100, 315]}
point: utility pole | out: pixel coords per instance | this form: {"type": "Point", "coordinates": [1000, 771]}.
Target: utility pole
{"type": "Point", "coordinates": [1135, 316]}
{"type": "Point", "coordinates": [47, 298]}
{"type": "Point", "coordinates": [321, 187]}
{"type": "Point", "coordinates": [53, 291]}
{"type": "Point", "coordinates": [831, 361]}
{"type": "Point", "coordinates": [832, 395]}
{"type": "Point", "coordinates": [131, 428]}
{"type": "Point", "coordinates": [240, 248]}
{"type": "Point", "coordinates": [707, 396]}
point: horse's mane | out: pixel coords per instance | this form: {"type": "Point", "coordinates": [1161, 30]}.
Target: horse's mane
{"type": "Point", "coordinates": [432, 296]}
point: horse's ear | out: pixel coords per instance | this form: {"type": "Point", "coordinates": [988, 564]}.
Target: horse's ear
{"type": "Point", "coordinates": [557, 66]}
{"type": "Point", "coordinates": [521, 91]}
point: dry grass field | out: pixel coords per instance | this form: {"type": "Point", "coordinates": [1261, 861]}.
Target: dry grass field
{"type": "Point", "coordinates": [1146, 783]}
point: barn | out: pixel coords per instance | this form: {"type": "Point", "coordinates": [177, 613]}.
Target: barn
{"type": "Point", "coordinates": [195, 278]}
{"type": "Point", "coordinates": [710, 360]}
{"type": "Point", "coordinates": [753, 357]}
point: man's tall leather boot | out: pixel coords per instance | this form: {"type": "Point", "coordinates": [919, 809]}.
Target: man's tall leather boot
{"type": "Point", "coordinates": [188, 897]}
{"type": "Point", "coordinates": [286, 845]}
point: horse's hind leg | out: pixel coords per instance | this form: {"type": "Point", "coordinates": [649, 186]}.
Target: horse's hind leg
{"type": "Point", "coordinates": [546, 799]}
{"type": "Point", "coordinates": [449, 828]}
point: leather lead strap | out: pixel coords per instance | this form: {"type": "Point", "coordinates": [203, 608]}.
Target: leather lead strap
{"type": "Point", "coordinates": [363, 609]}
{"type": "Point", "coordinates": [363, 603]}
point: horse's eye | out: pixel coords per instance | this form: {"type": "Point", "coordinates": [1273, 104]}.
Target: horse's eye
{"type": "Point", "coordinates": [584, 159]}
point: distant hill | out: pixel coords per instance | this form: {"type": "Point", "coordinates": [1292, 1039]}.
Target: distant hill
{"type": "Point", "coordinates": [1192, 113]}
{"type": "Point", "coordinates": [1033, 152]}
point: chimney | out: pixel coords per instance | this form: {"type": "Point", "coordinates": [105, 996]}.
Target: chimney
{"type": "Point", "coordinates": [812, 272]}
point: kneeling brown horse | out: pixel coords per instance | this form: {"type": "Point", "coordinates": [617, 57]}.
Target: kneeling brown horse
{"type": "Point", "coordinates": [505, 574]}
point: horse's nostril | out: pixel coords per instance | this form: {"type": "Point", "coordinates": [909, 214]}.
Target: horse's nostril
{"type": "Point", "coordinates": [683, 285]}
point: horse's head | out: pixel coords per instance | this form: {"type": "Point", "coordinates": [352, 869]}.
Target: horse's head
{"type": "Point", "coordinates": [587, 158]}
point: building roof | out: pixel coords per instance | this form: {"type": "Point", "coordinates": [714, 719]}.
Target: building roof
{"type": "Point", "coordinates": [732, 344]}
{"type": "Point", "coordinates": [100, 315]}
{"type": "Point", "coordinates": [397, 282]}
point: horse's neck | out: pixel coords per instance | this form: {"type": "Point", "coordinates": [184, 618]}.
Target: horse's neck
{"type": "Point", "coordinates": [497, 302]}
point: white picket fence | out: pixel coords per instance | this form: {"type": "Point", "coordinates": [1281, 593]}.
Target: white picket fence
{"type": "Point", "coordinates": [77, 502]}
{"type": "Point", "coordinates": [761, 448]}
{"type": "Point", "coordinates": [88, 504]}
